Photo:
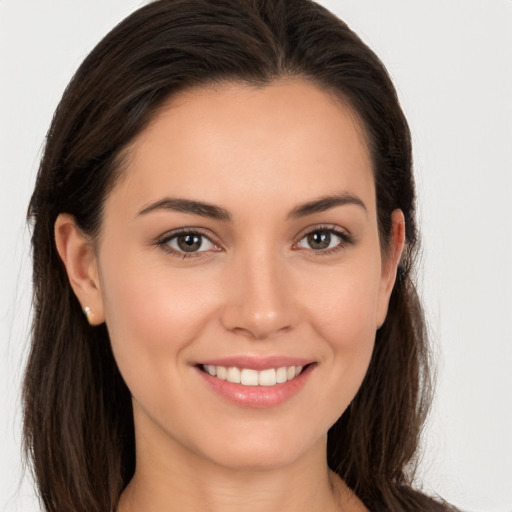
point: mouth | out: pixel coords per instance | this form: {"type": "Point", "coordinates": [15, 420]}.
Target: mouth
{"type": "Point", "coordinates": [267, 386]}
{"type": "Point", "coordinates": [250, 377]}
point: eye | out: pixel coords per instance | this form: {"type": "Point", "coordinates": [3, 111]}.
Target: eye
{"type": "Point", "coordinates": [187, 242]}
{"type": "Point", "coordinates": [323, 239]}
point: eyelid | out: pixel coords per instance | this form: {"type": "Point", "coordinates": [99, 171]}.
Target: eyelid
{"type": "Point", "coordinates": [333, 228]}
{"type": "Point", "coordinates": [163, 241]}
{"type": "Point", "coordinates": [346, 237]}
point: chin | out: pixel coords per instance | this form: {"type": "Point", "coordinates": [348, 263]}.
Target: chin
{"type": "Point", "coordinates": [256, 460]}
{"type": "Point", "coordinates": [261, 452]}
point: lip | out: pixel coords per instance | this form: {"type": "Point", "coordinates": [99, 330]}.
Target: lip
{"type": "Point", "coordinates": [256, 363]}
{"type": "Point", "coordinates": [257, 396]}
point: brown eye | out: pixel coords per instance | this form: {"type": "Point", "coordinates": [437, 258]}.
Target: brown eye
{"type": "Point", "coordinates": [189, 242]}
{"type": "Point", "coordinates": [319, 240]}
{"type": "Point", "coordinates": [322, 239]}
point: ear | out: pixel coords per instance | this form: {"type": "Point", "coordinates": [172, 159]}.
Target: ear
{"type": "Point", "coordinates": [77, 254]}
{"type": "Point", "coordinates": [390, 261]}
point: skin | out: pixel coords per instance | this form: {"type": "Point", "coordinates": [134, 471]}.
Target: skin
{"type": "Point", "coordinates": [259, 288]}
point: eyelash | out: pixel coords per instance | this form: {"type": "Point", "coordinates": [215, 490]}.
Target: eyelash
{"type": "Point", "coordinates": [345, 240]}
{"type": "Point", "coordinates": [167, 238]}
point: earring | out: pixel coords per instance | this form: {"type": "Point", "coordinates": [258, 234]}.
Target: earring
{"type": "Point", "coordinates": [88, 313]}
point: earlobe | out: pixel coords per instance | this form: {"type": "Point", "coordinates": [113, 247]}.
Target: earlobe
{"type": "Point", "coordinates": [390, 263]}
{"type": "Point", "coordinates": [79, 258]}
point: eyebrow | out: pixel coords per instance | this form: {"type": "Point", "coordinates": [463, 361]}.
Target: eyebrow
{"type": "Point", "coordinates": [326, 203]}
{"type": "Point", "coordinates": [216, 212]}
{"type": "Point", "coordinates": [188, 206]}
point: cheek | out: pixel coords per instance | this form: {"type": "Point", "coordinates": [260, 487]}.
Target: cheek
{"type": "Point", "coordinates": [152, 316]}
{"type": "Point", "coordinates": [343, 314]}
{"type": "Point", "coordinates": [343, 305]}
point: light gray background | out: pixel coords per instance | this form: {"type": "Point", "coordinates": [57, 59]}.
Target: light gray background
{"type": "Point", "coordinates": [451, 61]}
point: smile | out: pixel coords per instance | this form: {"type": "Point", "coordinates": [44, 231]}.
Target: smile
{"type": "Point", "coordinates": [250, 377]}
{"type": "Point", "coordinates": [260, 383]}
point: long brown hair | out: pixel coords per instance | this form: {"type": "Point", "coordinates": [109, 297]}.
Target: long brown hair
{"type": "Point", "coordinates": [78, 423]}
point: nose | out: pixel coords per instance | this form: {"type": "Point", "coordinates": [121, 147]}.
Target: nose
{"type": "Point", "coordinates": [259, 298]}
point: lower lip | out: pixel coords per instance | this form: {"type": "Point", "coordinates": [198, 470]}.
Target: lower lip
{"type": "Point", "coordinates": [257, 396]}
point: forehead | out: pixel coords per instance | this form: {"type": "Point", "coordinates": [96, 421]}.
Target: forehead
{"type": "Point", "coordinates": [221, 144]}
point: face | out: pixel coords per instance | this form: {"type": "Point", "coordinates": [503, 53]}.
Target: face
{"type": "Point", "coordinates": [242, 242]}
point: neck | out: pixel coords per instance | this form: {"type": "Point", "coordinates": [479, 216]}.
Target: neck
{"type": "Point", "coordinates": [171, 477]}
{"type": "Point", "coordinates": [185, 482]}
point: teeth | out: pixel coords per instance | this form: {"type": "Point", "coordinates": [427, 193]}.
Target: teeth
{"type": "Point", "coordinates": [267, 377]}
{"type": "Point", "coordinates": [249, 377]}
{"type": "Point", "coordinates": [281, 375]}
{"type": "Point", "coordinates": [233, 375]}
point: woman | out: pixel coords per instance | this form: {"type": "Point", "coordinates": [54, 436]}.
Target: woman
{"type": "Point", "coordinates": [223, 235]}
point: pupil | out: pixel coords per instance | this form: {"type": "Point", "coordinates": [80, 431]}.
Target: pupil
{"type": "Point", "coordinates": [319, 240]}
{"type": "Point", "coordinates": [189, 243]}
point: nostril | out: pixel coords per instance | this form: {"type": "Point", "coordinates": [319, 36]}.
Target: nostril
{"type": "Point", "coordinates": [260, 330]}
{"type": "Point", "coordinates": [258, 317]}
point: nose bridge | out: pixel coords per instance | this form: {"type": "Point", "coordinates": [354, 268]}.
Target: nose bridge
{"type": "Point", "coordinates": [259, 303]}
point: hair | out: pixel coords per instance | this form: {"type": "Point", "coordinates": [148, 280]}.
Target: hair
{"type": "Point", "coordinates": [78, 424]}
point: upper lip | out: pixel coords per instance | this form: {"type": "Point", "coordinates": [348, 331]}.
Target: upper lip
{"type": "Point", "coordinates": [256, 363]}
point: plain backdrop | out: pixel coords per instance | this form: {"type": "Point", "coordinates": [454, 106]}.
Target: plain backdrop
{"type": "Point", "coordinates": [451, 61]}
